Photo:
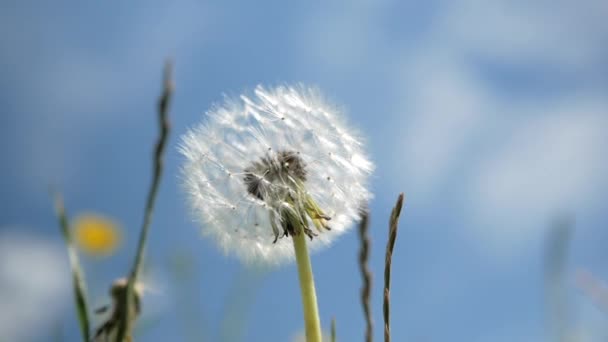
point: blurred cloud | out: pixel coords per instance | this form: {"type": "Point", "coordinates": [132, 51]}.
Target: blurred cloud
{"type": "Point", "coordinates": [344, 35]}
{"type": "Point", "coordinates": [547, 164]}
{"type": "Point", "coordinates": [566, 35]}
{"type": "Point", "coordinates": [515, 160]}
{"type": "Point", "coordinates": [81, 87]}
{"type": "Point", "coordinates": [445, 109]}
{"type": "Point", "coordinates": [34, 285]}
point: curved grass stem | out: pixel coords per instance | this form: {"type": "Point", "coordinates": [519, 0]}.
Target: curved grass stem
{"type": "Point", "coordinates": [127, 300]}
{"type": "Point", "coordinates": [78, 281]}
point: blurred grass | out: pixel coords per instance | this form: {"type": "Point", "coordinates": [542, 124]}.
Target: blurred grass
{"type": "Point", "coordinates": [79, 283]}
{"type": "Point", "coordinates": [237, 304]}
{"type": "Point", "coordinates": [185, 273]}
{"type": "Point", "coordinates": [333, 329]}
{"type": "Point", "coordinates": [559, 312]}
{"type": "Point", "coordinates": [184, 270]}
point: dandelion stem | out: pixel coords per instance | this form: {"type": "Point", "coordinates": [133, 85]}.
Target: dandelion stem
{"type": "Point", "coordinates": [307, 286]}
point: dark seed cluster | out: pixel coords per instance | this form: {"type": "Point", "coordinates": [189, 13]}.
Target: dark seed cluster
{"type": "Point", "coordinates": [273, 169]}
{"type": "Point", "coordinates": [271, 177]}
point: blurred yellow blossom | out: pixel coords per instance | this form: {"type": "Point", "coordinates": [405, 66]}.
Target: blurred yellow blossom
{"type": "Point", "coordinates": [96, 235]}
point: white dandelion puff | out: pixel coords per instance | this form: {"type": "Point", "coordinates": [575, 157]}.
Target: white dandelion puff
{"type": "Point", "coordinates": [264, 164]}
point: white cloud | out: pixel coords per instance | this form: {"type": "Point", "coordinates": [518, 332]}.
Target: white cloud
{"type": "Point", "coordinates": [34, 285]}
{"type": "Point", "coordinates": [344, 35]}
{"type": "Point", "coordinates": [563, 34]}
{"type": "Point", "coordinates": [516, 161]}
{"type": "Point", "coordinates": [445, 108]}
{"type": "Point", "coordinates": [72, 89]}
{"type": "Point", "coordinates": [553, 161]}
{"type": "Point", "coordinates": [86, 83]}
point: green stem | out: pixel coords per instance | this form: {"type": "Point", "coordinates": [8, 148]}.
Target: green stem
{"type": "Point", "coordinates": [307, 286]}
{"type": "Point", "coordinates": [127, 300]}
{"type": "Point", "coordinates": [78, 281]}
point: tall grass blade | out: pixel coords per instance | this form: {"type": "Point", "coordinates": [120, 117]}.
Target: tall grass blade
{"type": "Point", "coordinates": [79, 283]}
{"type": "Point", "coordinates": [392, 237]}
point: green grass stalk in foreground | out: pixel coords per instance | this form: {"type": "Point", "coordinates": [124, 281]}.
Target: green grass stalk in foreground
{"type": "Point", "coordinates": [333, 329]}
{"type": "Point", "coordinates": [307, 287]}
{"type": "Point", "coordinates": [80, 287]}
{"type": "Point", "coordinates": [128, 300]}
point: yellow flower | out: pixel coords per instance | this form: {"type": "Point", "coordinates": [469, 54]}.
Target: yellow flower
{"type": "Point", "coordinates": [96, 235]}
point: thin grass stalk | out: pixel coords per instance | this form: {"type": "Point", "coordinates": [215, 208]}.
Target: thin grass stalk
{"type": "Point", "coordinates": [124, 327]}
{"type": "Point", "coordinates": [78, 281]}
{"type": "Point", "coordinates": [392, 237]}
{"type": "Point", "coordinates": [333, 329]}
{"type": "Point", "coordinates": [366, 273]}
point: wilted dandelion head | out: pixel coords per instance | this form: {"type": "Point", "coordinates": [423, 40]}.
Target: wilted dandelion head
{"type": "Point", "coordinates": [108, 329]}
{"type": "Point", "coordinates": [119, 286]}
{"type": "Point", "coordinates": [275, 163]}
{"type": "Point", "coordinates": [96, 235]}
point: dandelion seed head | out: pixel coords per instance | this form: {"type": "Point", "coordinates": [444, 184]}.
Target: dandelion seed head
{"type": "Point", "coordinates": [262, 161]}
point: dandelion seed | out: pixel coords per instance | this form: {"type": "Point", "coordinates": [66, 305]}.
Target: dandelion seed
{"type": "Point", "coordinates": [273, 164]}
{"type": "Point", "coordinates": [96, 235]}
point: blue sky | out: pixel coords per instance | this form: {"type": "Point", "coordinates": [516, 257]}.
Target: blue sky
{"type": "Point", "coordinates": [489, 115]}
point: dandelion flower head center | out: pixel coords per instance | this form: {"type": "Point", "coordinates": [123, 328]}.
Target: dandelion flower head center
{"type": "Point", "coordinates": [278, 180]}
{"type": "Point", "coordinates": [273, 173]}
